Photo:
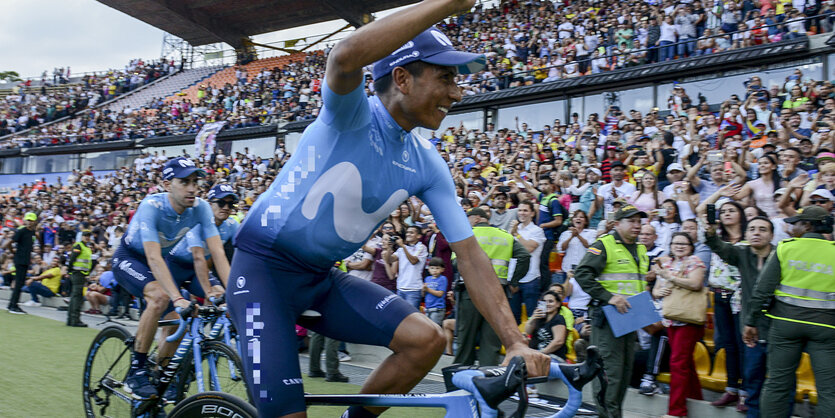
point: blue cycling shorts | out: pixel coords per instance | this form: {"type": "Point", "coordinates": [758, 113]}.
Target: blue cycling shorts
{"type": "Point", "coordinates": [132, 272]}
{"type": "Point", "coordinates": [266, 297]}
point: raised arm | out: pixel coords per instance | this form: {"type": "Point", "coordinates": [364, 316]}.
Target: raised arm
{"type": "Point", "coordinates": [378, 39]}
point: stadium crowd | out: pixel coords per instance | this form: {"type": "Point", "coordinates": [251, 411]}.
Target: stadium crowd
{"type": "Point", "coordinates": [29, 106]}
{"type": "Point", "coordinates": [757, 157]}
{"type": "Point", "coordinates": [525, 43]}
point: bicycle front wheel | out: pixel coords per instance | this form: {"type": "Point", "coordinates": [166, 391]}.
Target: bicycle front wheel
{"type": "Point", "coordinates": [222, 371]}
{"type": "Point", "coordinates": [211, 405]}
{"type": "Point", "coordinates": [105, 368]}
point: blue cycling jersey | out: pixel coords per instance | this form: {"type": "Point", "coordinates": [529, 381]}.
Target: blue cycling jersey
{"type": "Point", "coordinates": [181, 252]}
{"type": "Point", "coordinates": [156, 221]}
{"type": "Point", "coordinates": [353, 166]}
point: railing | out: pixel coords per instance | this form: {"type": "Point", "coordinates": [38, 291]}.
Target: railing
{"type": "Point", "coordinates": [608, 57]}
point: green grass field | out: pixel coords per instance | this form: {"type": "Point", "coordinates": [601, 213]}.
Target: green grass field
{"type": "Point", "coordinates": [41, 362]}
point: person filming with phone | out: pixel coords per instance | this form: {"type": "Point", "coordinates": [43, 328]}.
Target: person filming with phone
{"type": "Point", "coordinates": [546, 326]}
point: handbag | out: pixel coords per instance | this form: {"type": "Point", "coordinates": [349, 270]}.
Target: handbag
{"type": "Point", "coordinates": [685, 305]}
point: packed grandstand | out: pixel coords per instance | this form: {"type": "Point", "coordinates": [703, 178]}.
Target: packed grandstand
{"type": "Point", "coordinates": [770, 130]}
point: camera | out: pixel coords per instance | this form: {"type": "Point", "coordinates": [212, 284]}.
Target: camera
{"type": "Point", "coordinates": [393, 239]}
{"type": "Point", "coordinates": [507, 171]}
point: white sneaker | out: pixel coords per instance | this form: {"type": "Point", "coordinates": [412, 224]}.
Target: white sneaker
{"type": "Point", "coordinates": [31, 302]}
{"type": "Point", "coordinates": [343, 356]}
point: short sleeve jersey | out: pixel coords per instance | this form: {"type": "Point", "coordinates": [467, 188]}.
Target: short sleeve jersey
{"type": "Point", "coordinates": [156, 221]}
{"type": "Point", "coordinates": [181, 252]}
{"type": "Point", "coordinates": [353, 166]}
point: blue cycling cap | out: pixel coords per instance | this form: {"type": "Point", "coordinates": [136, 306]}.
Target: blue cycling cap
{"type": "Point", "coordinates": [434, 47]}
{"type": "Point", "coordinates": [180, 167]}
{"type": "Point", "coordinates": [220, 191]}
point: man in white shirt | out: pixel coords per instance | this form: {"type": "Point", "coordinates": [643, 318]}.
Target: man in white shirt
{"type": "Point", "coordinates": [531, 237]}
{"type": "Point", "coordinates": [618, 188]}
{"type": "Point", "coordinates": [408, 261]}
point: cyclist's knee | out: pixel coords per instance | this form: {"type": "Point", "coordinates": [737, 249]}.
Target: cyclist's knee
{"type": "Point", "coordinates": [156, 299]}
{"type": "Point", "coordinates": [419, 336]}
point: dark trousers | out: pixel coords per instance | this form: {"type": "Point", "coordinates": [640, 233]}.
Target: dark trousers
{"type": "Point", "coordinates": [753, 375]}
{"type": "Point", "coordinates": [470, 324]}
{"type": "Point", "coordinates": [618, 359]}
{"type": "Point", "coordinates": [544, 269]}
{"type": "Point", "coordinates": [528, 294]}
{"type": "Point", "coordinates": [19, 280]}
{"type": "Point", "coordinates": [317, 342]}
{"type": "Point", "coordinates": [659, 354]}
{"type": "Point", "coordinates": [786, 343]}
{"type": "Point", "coordinates": [78, 280]}
{"type": "Point", "coordinates": [728, 336]}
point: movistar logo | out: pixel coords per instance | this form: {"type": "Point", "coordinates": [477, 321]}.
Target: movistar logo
{"type": "Point", "coordinates": [351, 222]}
{"type": "Point", "coordinates": [414, 54]}
{"type": "Point", "coordinates": [405, 46]}
{"type": "Point", "coordinates": [441, 38]}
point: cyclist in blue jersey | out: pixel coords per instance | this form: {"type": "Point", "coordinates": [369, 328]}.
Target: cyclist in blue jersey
{"type": "Point", "coordinates": [190, 258]}
{"type": "Point", "coordinates": [140, 266]}
{"type": "Point", "coordinates": [355, 164]}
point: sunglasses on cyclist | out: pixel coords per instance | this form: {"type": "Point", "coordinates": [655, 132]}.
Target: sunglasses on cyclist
{"type": "Point", "coordinates": [225, 203]}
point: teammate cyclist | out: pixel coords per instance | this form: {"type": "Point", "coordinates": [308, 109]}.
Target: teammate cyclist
{"type": "Point", "coordinates": [141, 267]}
{"type": "Point", "coordinates": [355, 164]}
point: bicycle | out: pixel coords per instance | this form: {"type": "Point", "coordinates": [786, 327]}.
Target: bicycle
{"type": "Point", "coordinates": [471, 392]}
{"type": "Point", "coordinates": [108, 362]}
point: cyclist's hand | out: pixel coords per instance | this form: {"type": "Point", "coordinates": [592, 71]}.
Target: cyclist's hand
{"type": "Point", "coordinates": [620, 303]}
{"type": "Point", "coordinates": [216, 291]}
{"type": "Point", "coordinates": [182, 303]}
{"type": "Point", "coordinates": [538, 364]}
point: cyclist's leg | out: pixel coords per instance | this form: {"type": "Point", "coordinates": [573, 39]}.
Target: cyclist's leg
{"type": "Point", "coordinates": [358, 311]}
{"type": "Point", "coordinates": [131, 271]}
{"type": "Point", "coordinates": [264, 300]}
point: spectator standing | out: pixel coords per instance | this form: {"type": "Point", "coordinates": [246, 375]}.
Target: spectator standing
{"type": "Point", "coordinates": [749, 259]}
{"type": "Point", "coordinates": [575, 240]}
{"type": "Point", "coordinates": [317, 341]}
{"type": "Point", "coordinates": [434, 289]}
{"type": "Point", "coordinates": [500, 248]}
{"type": "Point", "coordinates": [24, 238]}
{"type": "Point", "coordinates": [686, 271]}
{"type": "Point", "coordinates": [532, 237]}
{"type": "Point", "coordinates": [81, 262]}
{"type": "Point", "coordinates": [613, 269]}
{"type": "Point", "coordinates": [408, 261]}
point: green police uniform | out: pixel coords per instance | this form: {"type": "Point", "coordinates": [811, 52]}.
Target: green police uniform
{"type": "Point", "coordinates": [501, 248]}
{"type": "Point", "coordinates": [81, 263]}
{"type": "Point", "coordinates": [612, 267]}
{"type": "Point", "coordinates": [797, 291]}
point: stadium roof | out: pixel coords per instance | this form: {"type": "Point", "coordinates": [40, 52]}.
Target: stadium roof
{"type": "Point", "coordinates": [202, 22]}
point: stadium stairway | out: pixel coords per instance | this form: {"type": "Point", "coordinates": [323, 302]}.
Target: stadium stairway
{"type": "Point", "coordinates": [165, 88]}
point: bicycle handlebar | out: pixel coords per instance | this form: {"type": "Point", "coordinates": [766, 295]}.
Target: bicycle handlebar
{"type": "Point", "coordinates": [491, 386]}
{"type": "Point", "coordinates": [181, 328]}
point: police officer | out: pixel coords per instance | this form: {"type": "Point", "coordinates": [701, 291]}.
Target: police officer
{"type": "Point", "coordinates": [799, 279]}
{"type": "Point", "coordinates": [81, 262]}
{"type": "Point", "coordinates": [613, 268]}
{"type": "Point", "coordinates": [503, 250]}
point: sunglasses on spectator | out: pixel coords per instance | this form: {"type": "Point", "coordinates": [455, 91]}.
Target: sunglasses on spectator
{"type": "Point", "coordinates": [225, 203]}
{"type": "Point", "coordinates": [818, 201]}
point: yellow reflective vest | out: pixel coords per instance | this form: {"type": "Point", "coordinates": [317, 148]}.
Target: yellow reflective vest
{"type": "Point", "coordinates": [84, 261]}
{"type": "Point", "coordinates": [806, 273]}
{"type": "Point", "coordinates": [622, 274]}
{"type": "Point", "coordinates": [498, 245]}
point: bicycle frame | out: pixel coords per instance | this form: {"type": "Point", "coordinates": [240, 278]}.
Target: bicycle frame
{"type": "Point", "coordinates": [458, 404]}
{"type": "Point", "coordinates": [222, 327]}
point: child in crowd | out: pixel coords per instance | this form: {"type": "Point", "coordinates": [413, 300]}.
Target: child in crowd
{"type": "Point", "coordinates": [434, 289]}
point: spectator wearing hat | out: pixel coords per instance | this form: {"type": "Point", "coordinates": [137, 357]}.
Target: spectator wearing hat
{"type": "Point", "coordinates": [24, 238]}
{"type": "Point", "coordinates": [613, 269]}
{"type": "Point", "coordinates": [81, 264]}
{"type": "Point", "coordinates": [589, 196]}
{"type": "Point", "coordinates": [795, 290]}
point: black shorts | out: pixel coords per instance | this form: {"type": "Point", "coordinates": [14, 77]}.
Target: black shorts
{"type": "Point", "coordinates": [266, 297]}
